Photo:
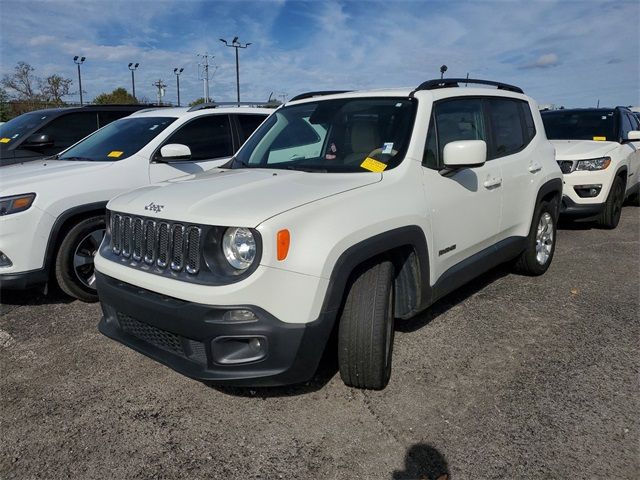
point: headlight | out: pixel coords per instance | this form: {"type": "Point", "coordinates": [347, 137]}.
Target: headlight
{"type": "Point", "coordinates": [16, 203]}
{"type": "Point", "coordinates": [594, 164]}
{"type": "Point", "coordinates": [239, 247]}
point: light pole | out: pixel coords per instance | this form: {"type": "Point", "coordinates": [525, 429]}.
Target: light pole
{"type": "Point", "coordinates": [78, 61]}
{"type": "Point", "coordinates": [178, 72]}
{"type": "Point", "coordinates": [236, 44]}
{"type": "Point", "coordinates": [443, 69]}
{"type": "Point", "coordinates": [133, 67]}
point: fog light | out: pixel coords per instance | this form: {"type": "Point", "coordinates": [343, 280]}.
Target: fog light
{"type": "Point", "coordinates": [588, 191]}
{"type": "Point", "coordinates": [5, 261]}
{"type": "Point", "coordinates": [239, 316]}
{"type": "Point", "coordinates": [234, 350]}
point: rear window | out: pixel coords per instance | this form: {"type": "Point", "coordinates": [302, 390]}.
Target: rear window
{"type": "Point", "coordinates": [580, 125]}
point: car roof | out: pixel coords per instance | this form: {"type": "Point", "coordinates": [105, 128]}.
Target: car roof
{"type": "Point", "coordinates": [578, 110]}
{"type": "Point", "coordinates": [88, 108]}
{"type": "Point", "coordinates": [177, 112]}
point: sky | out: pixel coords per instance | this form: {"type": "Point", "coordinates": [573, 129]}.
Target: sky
{"type": "Point", "coordinates": [562, 52]}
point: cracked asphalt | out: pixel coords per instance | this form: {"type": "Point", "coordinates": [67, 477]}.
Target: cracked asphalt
{"type": "Point", "coordinates": [509, 377]}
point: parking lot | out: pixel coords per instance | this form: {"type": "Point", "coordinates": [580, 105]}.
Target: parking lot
{"type": "Point", "coordinates": [509, 377]}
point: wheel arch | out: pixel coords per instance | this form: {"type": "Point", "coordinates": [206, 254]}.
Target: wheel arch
{"type": "Point", "coordinates": [550, 190]}
{"type": "Point", "coordinates": [64, 223]}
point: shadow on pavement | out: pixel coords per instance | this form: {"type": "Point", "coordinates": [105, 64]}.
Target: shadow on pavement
{"type": "Point", "coordinates": [33, 296]}
{"type": "Point", "coordinates": [423, 462]}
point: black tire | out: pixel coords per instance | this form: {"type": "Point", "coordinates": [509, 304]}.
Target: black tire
{"type": "Point", "coordinates": [365, 335]}
{"type": "Point", "coordinates": [610, 217]}
{"type": "Point", "coordinates": [529, 262]}
{"type": "Point", "coordinates": [83, 239]}
{"type": "Point", "coordinates": [634, 199]}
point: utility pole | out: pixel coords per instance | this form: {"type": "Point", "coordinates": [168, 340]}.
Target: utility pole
{"type": "Point", "coordinates": [178, 71]}
{"type": "Point", "coordinates": [205, 74]}
{"type": "Point", "coordinates": [79, 61]}
{"type": "Point", "coordinates": [160, 85]}
{"type": "Point", "coordinates": [236, 44]}
{"type": "Point", "coordinates": [133, 68]}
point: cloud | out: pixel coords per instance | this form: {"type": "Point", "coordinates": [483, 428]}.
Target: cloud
{"type": "Point", "coordinates": [544, 61]}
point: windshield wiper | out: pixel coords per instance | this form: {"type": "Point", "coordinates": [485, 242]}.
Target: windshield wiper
{"type": "Point", "coordinates": [305, 168]}
{"type": "Point", "coordinates": [80, 159]}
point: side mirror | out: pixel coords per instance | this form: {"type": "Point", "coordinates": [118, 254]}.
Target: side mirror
{"type": "Point", "coordinates": [633, 135]}
{"type": "Point", "coordinates": [465, 154]}
{"type": "Point", "coordinates": [38, 140]}
{"type": "Point", "coordinates": [174, 151]}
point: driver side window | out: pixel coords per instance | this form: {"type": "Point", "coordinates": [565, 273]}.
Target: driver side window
{"type": "Point", "coordinates": [207, 137]}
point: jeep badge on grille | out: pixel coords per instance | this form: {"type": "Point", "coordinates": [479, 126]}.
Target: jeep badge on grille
{"type": "Point", "coordinates": [154, 208]}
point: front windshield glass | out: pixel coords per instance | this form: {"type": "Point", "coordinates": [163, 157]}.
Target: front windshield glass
{"type": "Point", "coordinates": [18, 127]}
{"type": "Point", "coordinates": [345, 135]}
{"type": "Point", "coordinates": [118, 140]}
{"type": "Point", "coordinates": [580, 125]}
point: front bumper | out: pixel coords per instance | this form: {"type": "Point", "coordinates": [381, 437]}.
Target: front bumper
{"type": "Point", "coordinates": [570, 208]}
{"type": "Point", "coordinates": [188, 337]}
{"type": "Point", "coordinates": [20, 281]}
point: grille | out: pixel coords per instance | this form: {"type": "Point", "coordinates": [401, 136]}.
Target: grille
{"type": "Point", "coordinates": [164, 244]}
{"type": "Point", "coordinates": [162, 339]}
{"type": "Point", "coordinates": [566, 166]}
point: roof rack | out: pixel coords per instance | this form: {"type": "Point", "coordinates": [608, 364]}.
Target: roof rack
{"type": "Point", "coordinates": [320, 93]}
{"type": "Point", "coordinates": [202, 106]}
{"type": "Point", "coordinates": [455, 82]}
{"type": "Point", "coordinates": [102, 105]}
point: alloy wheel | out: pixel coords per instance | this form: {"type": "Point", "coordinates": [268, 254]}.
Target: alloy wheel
{"type": "Point", "coordinates": [83, 256]}
{"type": "Point", "coordinates": [544, 238]}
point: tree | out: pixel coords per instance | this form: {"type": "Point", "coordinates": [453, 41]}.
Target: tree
{"type": "Point", "coordinates": [198, 101]}
{"type": "Point", "coordinates": [119, 95]}
{"type": "Point", "coordinates": [4, 105]}
{"type": "Point", "coordinates": [22, 82]}
{"type": "Point", "coordinates": [54, 87]}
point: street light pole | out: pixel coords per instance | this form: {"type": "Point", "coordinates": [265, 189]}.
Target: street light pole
{"type": "Point", "coordinates": [178, 72]}
{"type": "Point", "coordinates": [236, 44]}
{"type": "Point", "coordinates": [78, 61]}
{"type": "Point", "coordinates": [133, 68]}
{"type": "Point", "coordinates": [443, 69]}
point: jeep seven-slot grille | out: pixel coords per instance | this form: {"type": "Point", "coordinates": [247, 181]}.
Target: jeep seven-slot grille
{"type": "Point", "coordinates": [159, 243]}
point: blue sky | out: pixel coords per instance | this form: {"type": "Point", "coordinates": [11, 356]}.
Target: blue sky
{"type": "Point", "coordinates": [561, 52]}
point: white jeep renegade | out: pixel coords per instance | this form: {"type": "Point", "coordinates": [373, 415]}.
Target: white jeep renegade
{"type": "Point", "coordinates": [598, 150]}
{"type": "Point", "coordinates": [52, 211]}
{"type": "Point", "coordinates": [345, 209]}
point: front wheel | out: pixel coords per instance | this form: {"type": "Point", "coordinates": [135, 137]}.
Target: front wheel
{"type": "Point", "coordinates": [74, 269]}
{"type": "Point", "coordinates": [365, 336]}
{"type": "Point", "coordinates": [541, 242]}
{"type": "Point", "coordinates": [613, 207]}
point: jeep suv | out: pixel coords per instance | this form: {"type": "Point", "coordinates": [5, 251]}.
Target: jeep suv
{"type": "Point", "coordinates": [43, 133]}
{"type": "Point", "coordinates": [354, 207]}
{"type": "Point", "coordinates": [598, 150]}
{"type": "Point", "coordinates": [52, 210]}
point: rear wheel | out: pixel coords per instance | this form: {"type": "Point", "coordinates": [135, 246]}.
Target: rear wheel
{"type": "Point", "coordinates": [365, 336]}
{"type": "Point", "coordinates": [541, 242]}
{"type": "Point", "coordinates": [613, 207]}
{"type": "Point", "coordinates": [74, 269]}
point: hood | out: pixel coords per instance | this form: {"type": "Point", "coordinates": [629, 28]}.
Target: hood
{"type": "Point", "coordinates": [242, 197]}
{"type": "Point", "coordinates": [581, 149]}
{"type": "Point", "coordinates": [15, 179]}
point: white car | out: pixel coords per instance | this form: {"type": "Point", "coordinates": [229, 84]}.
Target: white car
{"type": "Point", "coordinates": [52, 211]}
{"type": "Point", "coordinates": [239, 275]}
{"type": "Point", "coordinates": [598, 150]}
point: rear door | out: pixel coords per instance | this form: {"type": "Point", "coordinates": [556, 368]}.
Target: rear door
{"type": "Point", "coordinates": [465, 206]}
{"type": "Point", "coordinates": [210, 140]}
{"type": "Point", "coordinates": [512, 129]}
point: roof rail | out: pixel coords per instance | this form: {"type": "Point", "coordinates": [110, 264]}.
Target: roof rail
{"type": "Point", "coordinates": [102, 105]}
{"type": "Point", "coordinates": [202, 106]}
{"type": "Point", "coordinates": [455, 82]}
{"type": "Point", "coordinates": [320, 93]}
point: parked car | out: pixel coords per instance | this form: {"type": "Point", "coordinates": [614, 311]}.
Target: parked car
{"type": "Point", "coordinates": [43, 133]}
{"type": "Point", "coordinates": [598, 150]}
{"type": "Point", "coordinates": [357, 207]}
{"type": "Point", "coordinates": [52, 211]}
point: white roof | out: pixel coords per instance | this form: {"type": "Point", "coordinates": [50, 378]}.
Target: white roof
{"type": "Point", "coordinates": [184, 111]}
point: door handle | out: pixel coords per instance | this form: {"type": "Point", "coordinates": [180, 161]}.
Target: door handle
{"type": "Point", "coordinates": [535, 167]}
{"type": "Point", "coordinates": [493, 182]}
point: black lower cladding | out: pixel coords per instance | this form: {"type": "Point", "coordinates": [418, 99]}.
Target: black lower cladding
{"type": "Point", "coordinates": [183, 335]}
{"type": "Point", "coordinates": [19, 281]}
{"type": "Point", "coordinates": [571, 208]}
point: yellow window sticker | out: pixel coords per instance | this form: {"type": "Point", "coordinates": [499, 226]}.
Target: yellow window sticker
{"type": "Point", "coordinates": [600, 139]}
{"type": "Point", "coordinates": [115, 154]}
{"type": "Point", "coordinates": [373, 165]}
{"type": "Point", "coordinates": [5, 140]}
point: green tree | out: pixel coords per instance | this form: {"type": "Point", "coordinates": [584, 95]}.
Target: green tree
{"type": "Point", "coordinates": [4, 105]}
{"type": "Point", "coordinates": [199, 101]}
{"type": "Point", "coordinates": [119, 96]}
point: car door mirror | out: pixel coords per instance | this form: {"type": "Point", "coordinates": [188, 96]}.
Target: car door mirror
{"type": "Point", "coordinates": [174, 151]}
{"type": "Point", "coordinates": [38, 140]}
{"type": "Point", "coordinates": [465, 154]}
{"type": "Point", "coordinates": [633, 135]}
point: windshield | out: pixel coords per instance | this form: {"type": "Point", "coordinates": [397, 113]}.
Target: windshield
{"type": "Point", "coordinates": [118, 140]}
{"type": "Point", "coordinates": [17, 127]}
{"type": "Point", "coordinates": [345, 135]}
{"type": "Point", "coordinates": [580, 125]}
